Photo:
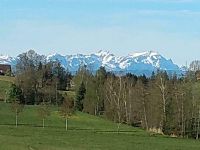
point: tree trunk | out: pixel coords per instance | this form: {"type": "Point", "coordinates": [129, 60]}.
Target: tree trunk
{"type": "Point", "coordinates": [118, 127]}
{"type": "Point", "coordinates": [198, 125]}
{"type": "Point", "coordinates": [197, 131]}
{"type": "Point", "coordinates": [130, 113]}
{"type": "Point", "coordinates": [163, 92]}
{"type": "Point", "coordinates": [164, 106]}
{"type": "Point", "coordinates": [66, 124]}
{"type": "Point", "coordinates": [43, 123]}
{"type": "Point", "coordinates": [56, 94]}
{"type": "Point", "coordinates": [130, 107]}
{"type": "Point", "coordinates": [126, 109]}
{"type": "Point", "coordinates": [16, 119]}
{"type": "Point", "coordinates": [118, 105]}
{"type": "Point", "coordinates": [96, 109]}
{"type": "Point", "coordinates": [182, 119]}
{"type": "Point", "coordinates": [97, 104]}
{"type": "Point", "coordinates": [119, 122]}
{"type": "Point", "coordinates": [145, 115]}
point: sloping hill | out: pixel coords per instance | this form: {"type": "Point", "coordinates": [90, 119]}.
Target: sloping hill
{"type": "Point", "coordinates": [86, 132]}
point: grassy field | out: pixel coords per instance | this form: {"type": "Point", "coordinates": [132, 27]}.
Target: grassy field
{"type": "Point", "coordinates": [7, 78]}
{"type": "Point", "coordinates": [85, 132]}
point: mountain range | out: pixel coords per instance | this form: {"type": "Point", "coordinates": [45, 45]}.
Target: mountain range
{"type": "Point", "coordinates": [137, 63]}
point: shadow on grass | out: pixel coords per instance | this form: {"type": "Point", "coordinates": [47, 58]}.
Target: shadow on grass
{"type": "Point", "coordinates": [70, 128]}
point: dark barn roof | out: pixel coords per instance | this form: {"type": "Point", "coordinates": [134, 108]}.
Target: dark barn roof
{"type": "Point", "coordinates": [4, 68]}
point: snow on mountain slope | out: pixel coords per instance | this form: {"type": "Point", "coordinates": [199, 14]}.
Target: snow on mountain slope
{"type": "Point", "coordinates": [109, 61]}
{"type": "Point", "coordinates": [147, 61]}
{"type": "Point", "coordinates": [137, 63]}
{"type": "Point", "coordinates": [7, 60]}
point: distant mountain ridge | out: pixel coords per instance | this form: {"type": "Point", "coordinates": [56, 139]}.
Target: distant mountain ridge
{"type": "Point", "coordinates": [137, 63]}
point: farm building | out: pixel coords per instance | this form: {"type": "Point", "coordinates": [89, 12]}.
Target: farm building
{"type": "Point", "coordinates": [5, 69]}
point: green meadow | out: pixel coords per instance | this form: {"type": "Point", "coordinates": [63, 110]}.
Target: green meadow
{"type": "Point", "coordinates": [85, 132]}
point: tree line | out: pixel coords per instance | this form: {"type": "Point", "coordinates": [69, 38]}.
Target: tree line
{"type": "Point", "coordinates": [163, 103]}
{"type": "Point", "coordinates": [38, 80]}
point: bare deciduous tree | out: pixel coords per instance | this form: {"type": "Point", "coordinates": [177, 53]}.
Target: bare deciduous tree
{"type": "Point", "coordinates": [67, 110]}
{"type": "Point", "coordinates": [17, 108]}
{"type": "Point", "coordinates": [43, 112]}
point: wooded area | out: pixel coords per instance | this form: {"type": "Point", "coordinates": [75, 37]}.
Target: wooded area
{"type": "Point", "coordinates": [162, 103]}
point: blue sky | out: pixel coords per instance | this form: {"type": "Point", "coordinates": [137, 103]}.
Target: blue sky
{"type": "Point", "coordinates": [171, 27]}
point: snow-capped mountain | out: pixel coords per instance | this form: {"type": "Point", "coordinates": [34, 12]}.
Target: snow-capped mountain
{"type": "Point", "coordinates": [7, 60]}
{"type": "Point", "coordinates": [137, 63]}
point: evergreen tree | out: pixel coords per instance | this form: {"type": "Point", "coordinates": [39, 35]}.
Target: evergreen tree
{"type": "Point", "coordinates": [16, 93]}
{"type": "Point", "coordinates": [80, 95]}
